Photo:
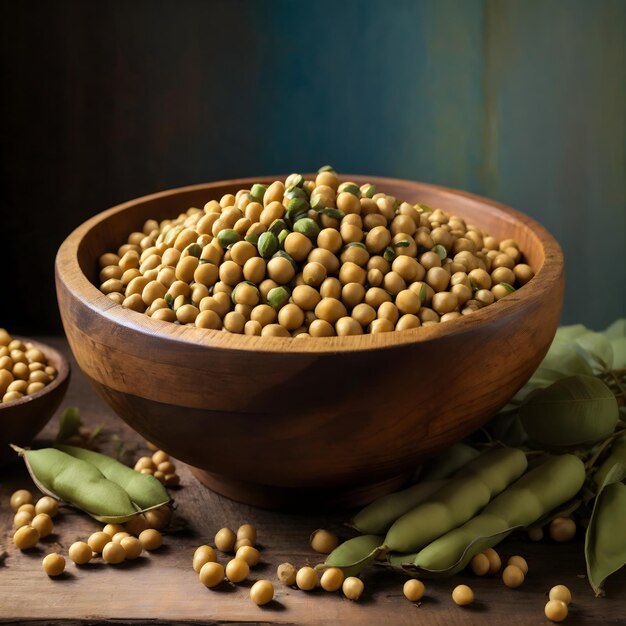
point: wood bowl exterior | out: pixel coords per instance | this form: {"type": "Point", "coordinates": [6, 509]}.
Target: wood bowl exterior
{"type": "Point", "coordinates": [264, 415]}
{"type": "Point", "coordinates": [22, 419]}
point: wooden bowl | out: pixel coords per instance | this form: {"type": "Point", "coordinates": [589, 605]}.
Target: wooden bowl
{"type": "Point", "coordinates": [273, 421]}
{"type": "Point", "coordinates": [22, 419]}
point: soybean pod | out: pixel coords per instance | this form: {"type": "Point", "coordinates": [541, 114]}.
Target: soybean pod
{"type": "Point", "coordinates": [144, 490]}
{"type": "Point", "coordinates": [377, 517]}
{"type": "Point", "coordinates": [446, 463]}
{"type": "Point", "coordinates": [354, 555]}
{"type": "Point", "coordinates": [458, 501]}
{"type": "Point", "coordinates": [79, 483]}
{"type": "Point", "coordinates": [538, 492]}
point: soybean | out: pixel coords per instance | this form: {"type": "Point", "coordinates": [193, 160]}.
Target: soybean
{"type": "Point", "coordinates": [323, 541]}
{"type": "Point", "coordinates": [352, 588]}
{"type": "Point", "coordinates": [287, 573]}
{"type": "Point", "coordinates": [413, 589]}
{"type": "Point", "coordinates": [80, 553]}
{"type": "Point", "coordinates": [262, 592]}
{"type": "Point", "coordinates": [53, 564]}
{"type": "Point", "coordinates": [304, 234]}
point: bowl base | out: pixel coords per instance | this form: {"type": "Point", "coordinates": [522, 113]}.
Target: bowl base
{"type": "Point", "coordinates": [294, 498]}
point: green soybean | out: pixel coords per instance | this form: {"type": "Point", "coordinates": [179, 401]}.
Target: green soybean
{"type": "Point", "coordinates": [79, 483]}
{"type": "Point", "coordinates": [228, 237]}
{"type": "Point", "coordinates": [278, 297]}
{"type": "Point", "coordinates": [535, 494]}
{"type": "Point", "coordinates": [354, 555]}
{"type": "Point", "coordinates": [295, 192]}
{"type": "Point", "coordinates": [331, 212]}
{"type": "Point", "coordinates": [307, 227]}
{"type": "Point", "coordinates": [457, 502]}
{"type": "Point", "coordinates": [368, 190]}
{"type": "Point", "coordinates": [258, 191]}
{"type": "Point", "coordinates": [267, 245]}
{"type": "Point", "coordinates": [282, 235]}
{"type": "Point", "coordinates": [348, 187]}
{"type": "Point", "coordinates": [144, 490]}
{"type": "Point", "coordinates": [194, 249]}
{"type": "Point", "coordinates": [297, 209]}
{"type": "Point", "coordinates": [294, 180]}
{"type": "Point", "coordinates": [277, 226]}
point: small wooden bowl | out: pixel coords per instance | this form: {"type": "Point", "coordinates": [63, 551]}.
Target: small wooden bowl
{"type": "Point", "coordinates": [273, 421]}
{"type": "Point", "coordinates": [22, 419]}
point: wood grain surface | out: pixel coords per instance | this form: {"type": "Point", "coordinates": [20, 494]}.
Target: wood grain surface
{"type": "Point", "coordinates": [340, 412]}
{"type": "Point", "coordinates": [162, 588]}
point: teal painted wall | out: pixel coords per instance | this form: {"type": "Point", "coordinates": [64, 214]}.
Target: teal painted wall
{"type": "Point", "coordinates": [520, 100]}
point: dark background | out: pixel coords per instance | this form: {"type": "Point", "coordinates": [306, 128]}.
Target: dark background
{"type": "Point", "coordinates": [523, 101]}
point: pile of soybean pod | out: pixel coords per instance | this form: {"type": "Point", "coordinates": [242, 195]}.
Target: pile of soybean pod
{"type": "Point", "coordinates": [436, 526]}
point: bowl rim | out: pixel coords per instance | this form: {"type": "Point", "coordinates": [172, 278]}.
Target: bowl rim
{"type": "Point", "coordinates": [70, 275]}
{"type": "Point", "coordinates": [63, 371]}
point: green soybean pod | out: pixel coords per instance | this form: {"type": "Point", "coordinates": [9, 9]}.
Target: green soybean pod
{"type": "Point", "coordinates": [535, 494]}
{"type": "Point", "coordinates": [457, 502]}
{"type": "Point", "coordinates": [377, 517]}
{"type": "Point", "coordinates": [79, 483]}
{"type": "Point", "coordinates": [144, 490]}
{"type": "Point", "coordinates": [449, 461]}
{"type": "Point", "coordinates": [353, 555]}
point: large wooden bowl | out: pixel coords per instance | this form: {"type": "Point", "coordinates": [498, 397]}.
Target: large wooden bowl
{"type": "Point", "coordinates": [270, 420]}
{"type": "Point", "coordinates": [22, 419]}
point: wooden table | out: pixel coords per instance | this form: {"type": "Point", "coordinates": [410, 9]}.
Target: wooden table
{"type": "Point", "coordinates": [161, 587]}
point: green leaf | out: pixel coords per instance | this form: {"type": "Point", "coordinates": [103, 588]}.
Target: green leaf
{"type": "Point", "coordinates": [507, 428]}
{"type": "Point", "coordinates": [605, 539]}
{"type": "Point", "coordinates": [599, 350]}
{"type": "Point", "coordinates": [572, 411]}
{"type": "Point", "coordinates": [617, 329]}
{"type": "Point", "coordinates": [568, 333]}
{"type": "Point", "coordinates": [616, 334]}
{"type": "Point", "coordinates": [616, 454]}
{"type": "Point", "coordinates": [69, 424]}
{"type": "Point", "coordinates": [619, 353]}
{"type": "Point", "coordinates": [564, 358]}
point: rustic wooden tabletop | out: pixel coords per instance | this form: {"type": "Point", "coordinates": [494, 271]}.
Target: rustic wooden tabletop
{"type": "Point", "coordinates": [161, 587]}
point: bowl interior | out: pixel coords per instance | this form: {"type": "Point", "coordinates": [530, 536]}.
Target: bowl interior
{"type": "Point", "coordinates": [110, 229]}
